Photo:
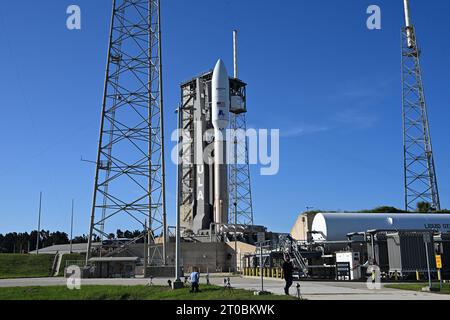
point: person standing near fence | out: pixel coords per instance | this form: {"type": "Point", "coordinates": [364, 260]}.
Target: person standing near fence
{"type": "Point", "coordinates": [288, 270]}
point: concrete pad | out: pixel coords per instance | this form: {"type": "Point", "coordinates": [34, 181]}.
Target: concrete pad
{"type": "Point", "coordinates": [310, 290]}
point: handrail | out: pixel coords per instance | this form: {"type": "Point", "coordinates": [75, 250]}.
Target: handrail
{"type": "Point", "coordinates": [288, 245]}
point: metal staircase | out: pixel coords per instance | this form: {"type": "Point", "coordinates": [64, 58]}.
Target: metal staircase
{"type": "Point", "coordinates": [290, 246]}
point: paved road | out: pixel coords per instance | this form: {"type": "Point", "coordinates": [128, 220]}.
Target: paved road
{"type": "Point", "coordinates": [310, 290]}
{"type": "Point", "coordinates": [340, 291]}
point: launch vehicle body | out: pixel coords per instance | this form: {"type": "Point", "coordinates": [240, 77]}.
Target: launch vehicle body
{"type": "Point", "coordinates": [220, 119]}
{"type": "Point", "coordinates": [209, 101]}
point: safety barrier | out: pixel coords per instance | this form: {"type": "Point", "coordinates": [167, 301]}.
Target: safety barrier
{"type": "Point", "coordinates": [276, 273]}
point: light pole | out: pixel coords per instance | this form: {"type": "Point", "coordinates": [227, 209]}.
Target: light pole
{"type": "Point", "coordinates": [261, 266]}
{"type": "Point", "coordinates": [427, 241]}
{"type": "Point", "coordinates": [39, 224]}
{"type": "Point", "coordinates": [71, 228]}
{"type": "Point", "coordinates": [235, 236]}
{"type": "Point", "coordinates": [145, 248]}
{"type": "Point", "coordinates": [178, 284]}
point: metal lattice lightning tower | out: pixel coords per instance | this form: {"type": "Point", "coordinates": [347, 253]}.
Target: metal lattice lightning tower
{"type": "Point", "coordinates": [419, 168]}
{"type": "Point", "coordinates": [129, 190]}
{"type": "Point", "coordinates": [240, 205]}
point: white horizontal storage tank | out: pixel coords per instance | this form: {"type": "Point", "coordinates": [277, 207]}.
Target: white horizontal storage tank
{"type": "Point", "coordinates": [336, 226]}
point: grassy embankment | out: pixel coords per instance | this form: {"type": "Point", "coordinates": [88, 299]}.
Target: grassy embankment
{"type": "Point", "coordinates": [25, 266]}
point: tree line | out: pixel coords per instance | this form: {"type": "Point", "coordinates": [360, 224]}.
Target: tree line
{"type": "Point", "coordinates": [14, 242]}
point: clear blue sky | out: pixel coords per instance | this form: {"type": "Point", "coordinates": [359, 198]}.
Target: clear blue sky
{"type": "Point", "coordinates": [314, 70]}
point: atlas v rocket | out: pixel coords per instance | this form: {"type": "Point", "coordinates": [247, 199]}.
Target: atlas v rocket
{"type": "Point", "coordinates": [220, 105]}
{"type": "Point", "coordinates": [207, 101]}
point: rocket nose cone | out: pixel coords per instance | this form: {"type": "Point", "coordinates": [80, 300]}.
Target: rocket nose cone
{"type": "Point", "coordinates": [220, 67]}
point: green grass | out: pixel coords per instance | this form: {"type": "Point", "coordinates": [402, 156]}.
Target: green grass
{"type": "Point", "coordinates": [25, 266]}
{"type": "Point", "coordinates": [69, 257]}
{"type": "Point", "coordinates": [419, 286]}
{"type": "Point", "coordinates": [129, 293]}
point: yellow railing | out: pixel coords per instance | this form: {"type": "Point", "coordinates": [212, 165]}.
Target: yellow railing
{"type": "Point", "coordinates": [276, 273]}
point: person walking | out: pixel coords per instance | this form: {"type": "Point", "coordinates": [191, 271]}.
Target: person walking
{"type": "Point", "coordinates": [288, 270]}
{"type": "Point", "coordinates": [195, 280]}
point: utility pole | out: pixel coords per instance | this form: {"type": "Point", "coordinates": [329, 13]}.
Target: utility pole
{"type": "Point", "coordinates": [178, 284]}
{"type": "Point", "coordinates": [427, 241]}
{"type": "Point", "coordinates": [71, 228]}
{"type": "Point", "coordinates": [145, 250]}
{"type": "Point", "coordinates": [235, 236]}
{"type": "Point", "coordinates": [38, 237]}
{"type": "Point", "coordinates": [261, 265]}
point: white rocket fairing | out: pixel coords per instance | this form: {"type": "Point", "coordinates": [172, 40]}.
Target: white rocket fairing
{"type": "Point", "coordinates": [220, 97]}
{"type": "Point", "coordinates": [220, 119]}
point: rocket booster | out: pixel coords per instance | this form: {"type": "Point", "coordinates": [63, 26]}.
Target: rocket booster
{"type": "Point", "coordinates": [220, 119]}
